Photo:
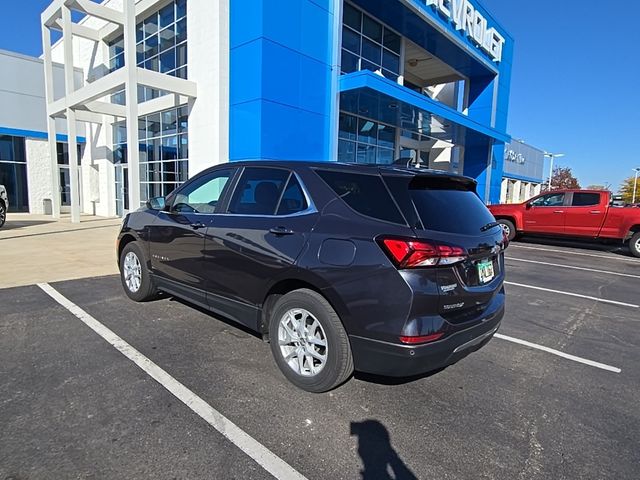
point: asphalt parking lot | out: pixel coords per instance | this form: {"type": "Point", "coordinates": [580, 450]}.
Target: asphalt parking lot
{"type": "Point", "coordinates": [563, 405]}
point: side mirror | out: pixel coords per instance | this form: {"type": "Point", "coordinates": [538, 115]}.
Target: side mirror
{"type": "Point", "coordinates": [528, 205]}
{"type": "Point", "coordinates": [157, 203]}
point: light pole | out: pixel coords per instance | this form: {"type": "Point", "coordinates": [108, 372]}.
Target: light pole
{"type": "Point", "coordinates": [552, 156]}
{"type": "Point", "coordinates": [635, 184]}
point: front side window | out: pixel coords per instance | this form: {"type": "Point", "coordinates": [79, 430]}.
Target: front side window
{"type": "Point", "coordinates": [258, 191]}
{"type": "Point", "coordinates": [549, 200]}
{"type": "Point", "coordinates": [585, 199]}
{"type": "Point", "coordinates": [202, 195]}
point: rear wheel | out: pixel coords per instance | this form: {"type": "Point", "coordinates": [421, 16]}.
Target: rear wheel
{"type": "Point", "coordinates": [309, 343]}
{"type": "Point", "coordinates": [136, 280]}
{"type": "Point", "coordinates": [634, 244]}
{"type": "Point", "coordinates": [508, 227]}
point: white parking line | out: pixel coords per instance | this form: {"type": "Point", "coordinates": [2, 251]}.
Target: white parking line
{"type": "Point", "coordinates": [601, 300]}
{"type": "Point", "coordinates": [258, 452]}
{"type": "Point", "coordinates": [591, 363]}
{"type": "Point", "coordinates": [571, 252]}
{"type": "Point", "coordinates": [573, 267]}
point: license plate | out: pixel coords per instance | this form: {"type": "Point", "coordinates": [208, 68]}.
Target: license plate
{"type": "Point", "coordinates": [485, 271]}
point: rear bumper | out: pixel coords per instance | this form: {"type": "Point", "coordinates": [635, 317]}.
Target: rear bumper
{"type": "Point", "coordinates": [398, 360]}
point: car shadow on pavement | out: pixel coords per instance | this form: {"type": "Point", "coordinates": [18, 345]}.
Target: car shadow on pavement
{"type": "Point", "coordinates": [17, 224]}
{"type": "Point", "coordinates": [616, 248]}
{"type": "Point", "coordinates": [380, 461]}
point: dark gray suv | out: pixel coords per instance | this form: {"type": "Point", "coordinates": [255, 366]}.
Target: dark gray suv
{"type": "Point", "coordinates": [385, 270]}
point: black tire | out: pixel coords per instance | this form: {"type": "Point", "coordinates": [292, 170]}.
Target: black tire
{"type": "Point", "coordinates": [338, 364]}
{"type": "Point", "coordinates": [146, 290]}
{"type": "Point", "coordinates": [634, 244]}
{"type": "Point", "coordinates": [508, 227]}
{"type": "Point", "coordinates": [3, 213]}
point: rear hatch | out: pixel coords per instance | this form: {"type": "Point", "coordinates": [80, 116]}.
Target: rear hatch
{"type": "Point", "coordinates": [445, 209]}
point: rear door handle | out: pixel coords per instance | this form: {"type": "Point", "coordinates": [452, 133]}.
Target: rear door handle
{"type": "Point", "coordinates": [559, 211]}
{"type": "Point", "coordinates": [595, 212]}
{"type": "Point", "coordinates": [281, 231]}
{"type": "Point", "coordinates": [198, 225]}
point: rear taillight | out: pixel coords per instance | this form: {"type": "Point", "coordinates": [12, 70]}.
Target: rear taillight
{"type": "Point", "coordinates": [411, 253]}
{"type": "Point", "coordinates": [421, 339]}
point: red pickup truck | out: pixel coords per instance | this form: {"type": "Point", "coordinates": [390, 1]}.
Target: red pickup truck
{"type": "Point", "coordinates": [572, 213]}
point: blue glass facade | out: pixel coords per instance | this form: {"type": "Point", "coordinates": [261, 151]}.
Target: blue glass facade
{"type": "Point", "coordinates": [340, 80]}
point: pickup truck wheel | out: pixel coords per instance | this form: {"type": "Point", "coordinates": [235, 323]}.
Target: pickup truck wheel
{"type": "Point", "coordinates": [634, 244]}
{"type": "Point", "coordinates": [508, 227]}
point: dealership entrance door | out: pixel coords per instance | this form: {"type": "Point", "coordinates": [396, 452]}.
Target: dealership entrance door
{"type": "Point", "coordinates": [65, 187]}
{"type": "Point", "coordinates": [122, 190]}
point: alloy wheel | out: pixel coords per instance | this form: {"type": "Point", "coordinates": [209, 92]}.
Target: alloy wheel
{"type": "Point", "coordinates": [132, 272]}
{"type": "Point", "coordinates": [303, 342]}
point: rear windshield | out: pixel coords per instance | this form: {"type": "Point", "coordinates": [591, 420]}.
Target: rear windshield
{"type": "Point", "coordinates": [448, 206]}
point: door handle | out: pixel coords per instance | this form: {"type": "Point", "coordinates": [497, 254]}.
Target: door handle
{"type": "Point", "coordinates": [281, 231]}
{"type": "Point", "coordinates": [559, 211]}
{"type": "Point", "coordinates": [595, 212]}
{"type": "Point", "coordinates": [198, 225]}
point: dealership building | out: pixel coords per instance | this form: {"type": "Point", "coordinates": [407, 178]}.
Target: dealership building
{"type": "Point", "coordinates": [523, 172]}
{"type": "Point", "coordinates": [195, 83]}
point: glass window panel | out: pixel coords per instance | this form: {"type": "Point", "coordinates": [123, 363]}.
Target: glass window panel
{"type": "Point", "coordinates": [183, 119]}
{"type": "Point", "coordinates": [152, 64]}
{"type": "Point", "coordinates": [117, 62]}
{"type": "Point", "coordinates": [181, 8]}
{"type": "Point", "coordinates": [385, 156]}
{"type": "Point", "coordinates": [120, 132]}
{"type": "Point", "coordinates": [183, 170]}
{"type": "Point", "coordinates": [6, 147]}
{"type": "Point", "coordinates": [181, 30]}
{"type": "Point", "coordinates": [169, 171]}
{"type": "Point", "coordinates": [142, 129]}
{"type": "Point", "coordinates": [14, 177]}
{"type": "Point", "coordinates": [367, 131]}
{"type": "Point", "coordinates": [139, 32]}
{"type": "Point", "coordinates": [390, 75]}
{"type": "Point", "coordinates": [167, 188]}
{"type": "Point", "coordinates": [346, 151]}
{"type": "Point", "coordinates": [170, 148]}
{"type": "Point", "coordinates": [169, 122]}
{"type": "Point", "coordinates": [167, 38]}
{"type": "Point", "coordinates": [116, 47]}
{"type": "Point", "coordinates": [183, 146]}
{"type": "Point", "coordinates": [167, 15]}
{"type": "Point", "coordinates": [151, 46]}
{"type": "Point", "coordinates": [391, 61]}
{"type": "Point", "coordinates": [366, 65]}
{"type": "Point", "coordinates": [372, 29]}
{"type": "Point", "coordinates": [386, 136]}
{"type": "Point", "coordinates": [349, 62]}
{"type": "Point", "coordinates": [151, 25]}
{"type": "Point", "coordinates": [181, 55]}
{"type": "Point", "coordinates": [348, 126]}
{"type": "Point", "coordinates": [371, 51]}
{"type": "Point", "coordinates": [120, 154]}
{"type": "Point", "coordinates": [352, 17]}
{"type": "Point", "coordinates": [153, 149]}
{"type": "Point", "coordinates": [140, 53]}
{"type": "Point", "coordinates": [351, 40]}
{"type": "Point", "coordinates": [181, 73]}
{"type": "Point", "coordinates": [153, 125]}
{"type": "Point", "coordinates": [168, 61]}
{"type": "Point", "coordinates": [19, 154]}
{"type": "Point", "coordinates": [365, 153]}
{"type": "Point", "coordinates": [392, 40]}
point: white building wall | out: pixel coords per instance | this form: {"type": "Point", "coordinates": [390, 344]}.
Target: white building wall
{"type": "Point", "coordinates": [38, 174]}
{"type": "Point", "coordinates": [208, 66]}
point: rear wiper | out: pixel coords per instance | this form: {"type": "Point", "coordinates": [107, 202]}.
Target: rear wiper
{"type": "Point", "coordinates": [489, 226]}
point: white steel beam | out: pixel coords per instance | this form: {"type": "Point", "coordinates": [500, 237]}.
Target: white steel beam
{"type": "Point", "coordinates": [131, 95]}
{"type": "Point", "coordinates": [69, 83]}
{"type": "Point", "coordinates": [161, 103]}
{"type": "Point", "coordinates": [51, 123]}
{"type": "Point", "coordinates": [80, 31]}
{"type": "Point", "coordinates": [106, 108]}
{"type": "Point", "coordinates": [161, 81]}
{"type": "Point", "coordinates": [89, 117]}
{"type": "Point", "coordinates": [100, 11]}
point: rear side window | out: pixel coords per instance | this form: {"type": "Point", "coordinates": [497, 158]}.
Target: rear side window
{"type": "Point", "coordinates": [366, 194]}
{"type": "Point", "coordinates": [258, 191]}
{"type": "Point", "coordinates": [293, 199]}
{"type": "Point", "coordinates": [448, 206]}
{"type": "Point", "coordinates": [585, 199]}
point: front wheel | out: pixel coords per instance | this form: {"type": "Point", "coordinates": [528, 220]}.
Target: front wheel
{"type": "Point", "coordinates": [136, 280]}
{"type": "Point", "coordinates": [3, 213]}
{"type": "Point", "coordinates": [634, 244]}
{"type": "Point", "coordinates": [508, 227]}
{"type": "Point", "coordinates": [309, 343]}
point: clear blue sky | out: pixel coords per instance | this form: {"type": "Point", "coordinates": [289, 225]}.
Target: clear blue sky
{"type": "Point", "coordinates": [575, 87]}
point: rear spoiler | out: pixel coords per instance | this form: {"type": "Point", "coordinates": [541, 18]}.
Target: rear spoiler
{"type": "Point", "coordinates": [432, 179]}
